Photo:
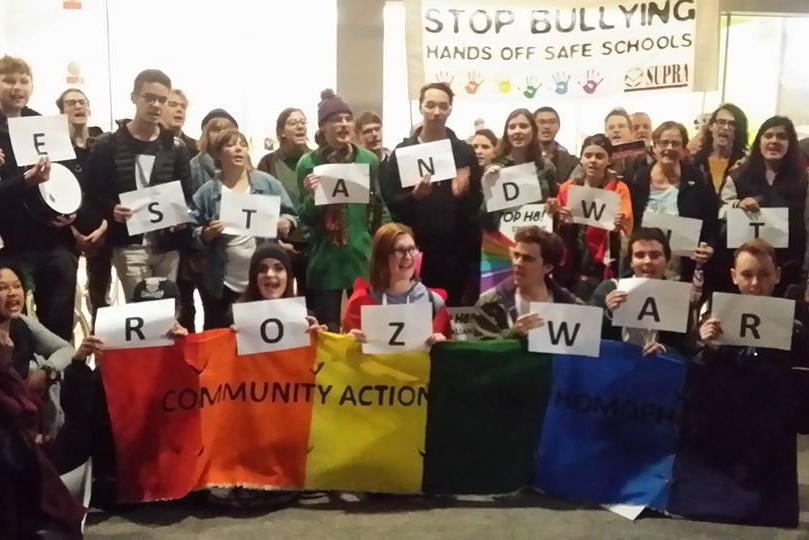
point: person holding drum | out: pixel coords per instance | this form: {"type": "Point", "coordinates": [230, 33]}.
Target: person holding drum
{"type": "Point", "coordinates": [140, 154]}
{"type": "Point", "coordinates": [36, 207]}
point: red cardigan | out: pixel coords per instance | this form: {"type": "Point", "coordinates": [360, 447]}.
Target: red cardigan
{"type": "Point", "coordinates": [362, 297]}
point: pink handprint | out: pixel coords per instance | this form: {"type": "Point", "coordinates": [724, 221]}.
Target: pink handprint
{"type": "Point", "coordinates": [591, 85]}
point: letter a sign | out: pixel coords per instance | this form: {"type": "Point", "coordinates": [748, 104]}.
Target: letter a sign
{"type": "Point", "coordinates": [343, 183]}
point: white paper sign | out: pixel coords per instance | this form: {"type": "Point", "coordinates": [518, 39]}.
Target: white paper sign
{"type": "Point", "coordinates": [755, 321]}
{"type": "Point", "coordinates": [33, 137]}
{"type": "Point", "coordinates": [655, 304]}
{"type": "Point", "coordinates": [270, 325]}
{"type": "Point", "coordinates": [770, 224]}
{"type": "Point", "coordinates": [568, 329]}
{"type": "Point", "coordinates": [512, 187]}
{"type": "Point", "coordinates": [396, 328]}
{"type": "Point", "coordinates": [343, 183]}
{"type": "Point", "coordinates": [250, 214]}
{"type": "Point", "coordinates": [155, 207]}
{"type": "Point", "coordinates": [592, 206]}
{"type": "Point", "coordinates": [433, 158]}
{"type": "Point", "coordinates": [136, 325]}
{"type": "Point", "coordinates": [530, 214]}
{"type": "Point", "coordinates": [683, 232]}
{"type": "Point", "coordinates": [462, 322]}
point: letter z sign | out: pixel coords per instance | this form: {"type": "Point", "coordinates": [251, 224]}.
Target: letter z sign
{"type": "Point", "coordinates": [396, 328]}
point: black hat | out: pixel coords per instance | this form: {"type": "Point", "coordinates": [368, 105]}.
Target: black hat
{"type": "Point", "coordinates": [271, 250]}
{"type": "Point", "coordinates": [218, 113]}
{"type": "Point", "coordinates": [155, 288]}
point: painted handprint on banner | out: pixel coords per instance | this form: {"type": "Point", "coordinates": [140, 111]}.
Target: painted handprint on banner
{"type": "Point", "coordinates": [561, 81]}
{"type": "Point", "coordinates": [504, 86]}
{"type": "Point", "coordinates": [445, 77]}
{"type": "Point", "coordinates": [531, 88]}
{"type": "Point", "coordinates": [591, 84]}
{"type": "Point", "coordinates": [475, 80]}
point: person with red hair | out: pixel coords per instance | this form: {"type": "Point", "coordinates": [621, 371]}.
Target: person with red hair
{"type": "Point", "coordinates": [394, 280]}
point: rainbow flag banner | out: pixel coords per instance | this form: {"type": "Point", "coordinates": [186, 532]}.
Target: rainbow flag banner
{"type": "Point", "coordinates": [465, 418]}
{"type": "Point", "coordinates": [495, 260]}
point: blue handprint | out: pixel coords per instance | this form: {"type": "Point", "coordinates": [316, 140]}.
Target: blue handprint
{"type": "Point", "coordinates": [562, 82]}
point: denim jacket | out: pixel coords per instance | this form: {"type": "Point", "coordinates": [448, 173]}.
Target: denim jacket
{"type": "Point", "coordinates": [206, 209]}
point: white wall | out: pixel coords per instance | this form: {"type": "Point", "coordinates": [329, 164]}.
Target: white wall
{"type": "Point", "coordinates": [251, 58]}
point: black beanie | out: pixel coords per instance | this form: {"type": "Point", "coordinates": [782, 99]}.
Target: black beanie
{"type": "Point", "coordinates": [271, 250]}
{"type": "Point", "coordinates": [218, 113]}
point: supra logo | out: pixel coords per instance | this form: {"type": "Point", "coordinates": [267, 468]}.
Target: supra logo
{"type": "Point", "coordinates": [633, 78]}
{"type": "Point", "coordinates": [657, 77]}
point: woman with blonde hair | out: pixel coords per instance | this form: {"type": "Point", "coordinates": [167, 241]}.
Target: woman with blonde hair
{"type": "Point", "coordinates": [203, 167]}
{"type": "Point", "coordinates": [394, 280]}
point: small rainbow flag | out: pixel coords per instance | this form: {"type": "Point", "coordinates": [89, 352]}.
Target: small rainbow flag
{"type": "Point", "coordinates": [495, 260]}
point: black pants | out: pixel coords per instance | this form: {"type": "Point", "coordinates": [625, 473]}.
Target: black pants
{"type": "Point", "coordinates": [326, 304]}
{"type": "Point", "coordinates": [218, 311]}
{"type": "Point", "coordinates": [99, 279]}
{"type": "Point", "coordinates": [449, 270]}
{"type": "Point", "coordinates": [299, 263]}
{"type": "Point", "coordinates": [53, 273]}
{"type": "Point", "coordinates": [186, 285]}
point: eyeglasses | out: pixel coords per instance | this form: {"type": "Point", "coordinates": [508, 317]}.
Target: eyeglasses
{"type": "Point", "coordinates": [152, 98]}
{"type": "Point", "coordinates": [401, 252]}
{"type": "Point", "coordinates": [673, 144]}
{"type": "Point", "coordinates": [296, 123]}
{"type": "Point", "coordinates": [721, 122]}
{"type": "Point", "coordinates": [75, 102]}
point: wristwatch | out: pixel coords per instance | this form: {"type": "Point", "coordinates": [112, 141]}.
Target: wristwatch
{"type": "Point", "coordinates": [51, 375]}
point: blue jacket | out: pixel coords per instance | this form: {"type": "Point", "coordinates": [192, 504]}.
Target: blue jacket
{"type": "Point", "coordinates": [205, 208]}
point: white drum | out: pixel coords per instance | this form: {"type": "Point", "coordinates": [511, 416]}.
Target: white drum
{"type": "Point", "coordinates": [60, 195]}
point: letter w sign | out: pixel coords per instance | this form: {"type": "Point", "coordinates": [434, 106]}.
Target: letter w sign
{"type": "Point", "coordinates": [567, 329]}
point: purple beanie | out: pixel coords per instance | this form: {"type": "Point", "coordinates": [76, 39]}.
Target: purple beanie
{"type": "Point", "coordinates": [330, 104]}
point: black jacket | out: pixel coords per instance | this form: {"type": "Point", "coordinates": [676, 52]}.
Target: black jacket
{"type": "Point", "coordinates": [111, 171]}
{"type": "Point", "coordinates": [784, 192]}
{"type": "Point", "coordinates": [440, 221]}
{"type": "Point", "coordinates": [696, 199]}
{"type": "Point", "coordinates": [20, 230]}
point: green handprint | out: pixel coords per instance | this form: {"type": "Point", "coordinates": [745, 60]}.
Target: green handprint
{"type": "Point", "coordinates": [532, 86]}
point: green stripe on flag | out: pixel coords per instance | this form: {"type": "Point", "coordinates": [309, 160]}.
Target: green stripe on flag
{"type": "Point", "coordinates": [486, 406]}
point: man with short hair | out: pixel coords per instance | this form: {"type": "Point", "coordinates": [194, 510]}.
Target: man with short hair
{"type": "Point", "coordinates": [756, 272]}
{"type": "Point", "coordinates": [174, 119]}
{"type": "Point", "coordinates": [140, 154]}
{"type": "Point", "coordinates": [41, 246]}
{"type": "Point", "coordinates": [618, 125]}
{"type": "Point", "coordinates": [642, 126]}
{"type": "Point", "coordinates": [89, 229]}
{"type": "Point", "coordinates": [649, 256]}
{"type": "Point", "coordinates": [368, 128]}
{"type": "Point", "coordinates": [548, 122]}
{"type": "Point", "coordinates": [443, 215]}
{"type": "Point", "coordinates": [505, 312]}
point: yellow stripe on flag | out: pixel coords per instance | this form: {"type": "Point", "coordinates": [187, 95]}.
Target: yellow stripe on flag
{"type": "Point", "coordinates": [368, 434]}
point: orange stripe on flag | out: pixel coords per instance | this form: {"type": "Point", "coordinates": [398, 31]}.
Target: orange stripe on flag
{"type": "Point", "coordinates": [71, 5]}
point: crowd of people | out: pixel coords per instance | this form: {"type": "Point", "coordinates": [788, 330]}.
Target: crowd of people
{"type": "Point", "coordinates": [405, 245]}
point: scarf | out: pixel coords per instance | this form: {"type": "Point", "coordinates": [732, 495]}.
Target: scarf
{"type": "Point", "coordinates": [334, 217]}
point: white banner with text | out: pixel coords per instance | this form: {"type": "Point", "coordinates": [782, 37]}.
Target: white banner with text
{"type": "Point", "coordinates": [573, 48]}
